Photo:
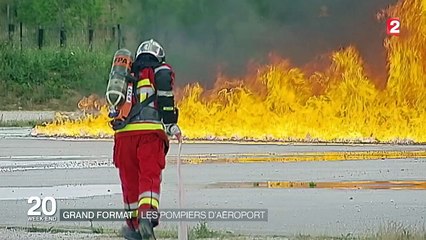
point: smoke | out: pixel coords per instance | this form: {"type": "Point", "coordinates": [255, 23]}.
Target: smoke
{"type": "Point", "coordinates": [201, 36]}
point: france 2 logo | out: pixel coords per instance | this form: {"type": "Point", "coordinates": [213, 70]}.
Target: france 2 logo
{"type": "Point", "coordinates": [393, 26]}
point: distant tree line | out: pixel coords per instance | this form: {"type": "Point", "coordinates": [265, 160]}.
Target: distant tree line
{"type": "Point", "coordinates": [161, 18]}
{"type": "Point", "coordinates": [61, 17]}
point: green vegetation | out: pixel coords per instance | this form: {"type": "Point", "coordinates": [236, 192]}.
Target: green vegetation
{"type": "Point", "coordinates": [49, 12]}
{"type": "Point", "coordinates": [51, 78]}
{"type": "Point", "coordinates": [393, 231]}
{"type": "Point", "coordinates": [199, 36]}
{"type": "Point", "coordinates": [203, 231]}
{"type": "Point", "coordinates": [55, 78]}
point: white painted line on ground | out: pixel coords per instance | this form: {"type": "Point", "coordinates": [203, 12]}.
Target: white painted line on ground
{"type": "Point", "coordinates": [59, 192]}
{"type": "Point", "coordinates": [52, 157]}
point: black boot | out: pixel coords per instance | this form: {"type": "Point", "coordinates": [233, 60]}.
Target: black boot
{"type": "Point", "coordinates": [146, 229]}
{"type": "Point", "coordinates": [130, 234]}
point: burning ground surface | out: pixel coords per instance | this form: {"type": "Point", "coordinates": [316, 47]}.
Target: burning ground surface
{"type": "Point", "coordinates": [279, 102]}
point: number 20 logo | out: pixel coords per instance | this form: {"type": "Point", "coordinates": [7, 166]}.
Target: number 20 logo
{"type": "Point", "coordinates": [393, 26]}
{"type": "Point", "coordinates": [44, 208]}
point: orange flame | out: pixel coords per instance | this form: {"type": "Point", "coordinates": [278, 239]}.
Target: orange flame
{"type": "Point", "coordinates": [281, 102]}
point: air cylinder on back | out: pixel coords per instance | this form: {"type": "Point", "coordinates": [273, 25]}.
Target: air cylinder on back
{"type": "Point", "coordinates": [117, 83]}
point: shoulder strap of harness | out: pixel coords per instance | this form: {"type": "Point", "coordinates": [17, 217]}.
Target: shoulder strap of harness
{"type": "Point", "coordinates": [137, 108]}
{"type": "Point", "coordinates": [116, 124]}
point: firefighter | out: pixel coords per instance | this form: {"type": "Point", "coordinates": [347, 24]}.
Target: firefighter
{"type": "Point", "coordinates": [141, 142]}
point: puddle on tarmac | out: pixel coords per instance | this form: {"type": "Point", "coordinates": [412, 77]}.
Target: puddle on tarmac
{"type": "Point", "coordinates": [301, 157]}
{"type": "Point", "coordinates": [394, 185]}
{"type": "Point", "coordinates": [59, 192]}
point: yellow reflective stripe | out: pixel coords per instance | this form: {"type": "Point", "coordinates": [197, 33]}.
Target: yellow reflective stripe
{"type": "Point", "coordinates": [141, 126]}
{"type": "Point", "coordinates": [143, 82]}
{"type": "Point", "coordinates": [133, 214]}
{"type": "Point", "coordinates": [142, 97]}
{"type": "Point", "coordinates": [168, 108]}
{"type": "Point", "coordinates": [151, 201]}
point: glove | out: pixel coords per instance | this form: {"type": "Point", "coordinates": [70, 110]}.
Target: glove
{"type": "Point", "coordinates": [173, 129]}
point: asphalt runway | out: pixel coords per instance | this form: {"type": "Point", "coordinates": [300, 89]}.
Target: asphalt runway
{"type": "Point", "coordinates": [79, 174]}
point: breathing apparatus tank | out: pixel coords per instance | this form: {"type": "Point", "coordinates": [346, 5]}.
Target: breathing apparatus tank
{"type": "Point", "coordinates": [119, 90]}
{"type": "Point", "coordinates": [117, 83]}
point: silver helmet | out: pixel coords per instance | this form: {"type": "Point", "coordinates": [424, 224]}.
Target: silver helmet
{"type": "Point", "coordinates": [152, 47]}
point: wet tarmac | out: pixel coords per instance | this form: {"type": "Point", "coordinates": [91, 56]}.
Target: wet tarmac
{"type": "Point", "coordinates": [309, 189]}
{"type": "Point", "coordinates": [394, 185]}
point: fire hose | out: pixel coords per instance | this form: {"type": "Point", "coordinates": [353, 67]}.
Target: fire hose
{"type": "Point", "coordinates": [182, 229]}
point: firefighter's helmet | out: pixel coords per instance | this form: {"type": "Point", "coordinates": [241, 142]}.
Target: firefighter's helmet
{"type": "Point", "coordinates": [151, 47]}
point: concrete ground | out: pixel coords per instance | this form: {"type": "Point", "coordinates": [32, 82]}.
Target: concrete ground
{"type": "Point", "coordinates": [79, 174]}
{"type": "Point", "coordinates": [6, 116]}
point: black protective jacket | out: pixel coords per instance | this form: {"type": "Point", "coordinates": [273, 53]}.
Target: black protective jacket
{"type": "Point", "coordinates": [163, 84]}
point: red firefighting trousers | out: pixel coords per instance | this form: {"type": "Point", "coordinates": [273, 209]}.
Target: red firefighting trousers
{"type": "Point", "coordinates": [140, 159]}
